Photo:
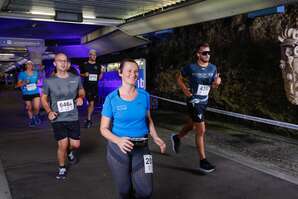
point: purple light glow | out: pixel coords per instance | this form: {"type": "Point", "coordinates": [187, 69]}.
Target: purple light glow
{"type": "Point", "coordinates": [43, 30]}
{"type": "Point", "coordinates": [73, 51]}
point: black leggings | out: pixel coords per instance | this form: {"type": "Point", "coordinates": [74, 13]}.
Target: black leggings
{"type": "Point", "coordinates": [129, 172]}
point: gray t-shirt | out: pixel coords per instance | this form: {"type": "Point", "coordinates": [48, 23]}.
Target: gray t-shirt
{"type": "Point", "coordinates": [62, 93]}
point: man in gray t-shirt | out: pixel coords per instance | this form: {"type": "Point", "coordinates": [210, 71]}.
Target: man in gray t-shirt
{"type": "Point", "coordinates": [61, 94]}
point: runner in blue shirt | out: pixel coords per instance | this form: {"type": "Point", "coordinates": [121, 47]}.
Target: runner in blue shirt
{"type": "Point", "coordinates": [202, 76]}
{"type": "Point", "coordinates": [126, 123]}
{"type": "Point", "coordinates": [28, 81]}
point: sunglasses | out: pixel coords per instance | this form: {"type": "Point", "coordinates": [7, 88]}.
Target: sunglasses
{"type": "Point", "coordinates": [205, 53]}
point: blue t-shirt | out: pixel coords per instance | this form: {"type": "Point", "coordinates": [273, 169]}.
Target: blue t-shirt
{"type": "Point", "coordinates": [30, 83]}
{"type": "Point", "coordinates": [200, 79]}
{"type": "Point", "coordinates": [129, 118]}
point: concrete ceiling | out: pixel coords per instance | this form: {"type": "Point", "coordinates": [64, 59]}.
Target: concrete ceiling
{"type": "Point", "coordinates": [36, 19]}
{"type": "Point", "coordinates": [103, 12]}
{"type": "Point", "coordinates": [43, 30]}
{"type": "Point", "coordinates": [105, 22]}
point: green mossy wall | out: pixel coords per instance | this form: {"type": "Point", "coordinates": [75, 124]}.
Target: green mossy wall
{"type": "Point", "coordinates": [247, 54]}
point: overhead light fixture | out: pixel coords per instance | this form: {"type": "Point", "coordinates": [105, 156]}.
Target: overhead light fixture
{"type": "Point", "coordinates": [89, 17]}
{"type": "Point", "coordinates": [96, 21]}
{"type": "Point", "coordinates": [7, 54]}
{"type": "Point", "coordinates": [87, 14]}
{"type": "Point", "coordinates": [35, 12]}
{"type": "Point", "coordinates": [68, 16]}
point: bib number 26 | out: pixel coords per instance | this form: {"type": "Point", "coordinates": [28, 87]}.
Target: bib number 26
{"type": "Point", "coordinates": [148, 164]}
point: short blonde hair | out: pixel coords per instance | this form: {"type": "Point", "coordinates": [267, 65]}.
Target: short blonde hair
{"type": "Point", "coordinates": [92, 51]}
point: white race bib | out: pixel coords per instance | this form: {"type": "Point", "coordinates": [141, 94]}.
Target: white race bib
{"type": "Point", "coordinates": [31, 87]}
{"type": "Point", "coordinates": [148, 164]}
{"type": "Point", "coordinates": [92, 77]}
{"type": "Point", "coordinates": [203, 90]}
{"type": "Point", "coordinates": [65, 105]}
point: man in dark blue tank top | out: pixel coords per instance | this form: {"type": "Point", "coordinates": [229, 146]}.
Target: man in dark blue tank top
{"type": "Point", "coordinates": [202, 76]}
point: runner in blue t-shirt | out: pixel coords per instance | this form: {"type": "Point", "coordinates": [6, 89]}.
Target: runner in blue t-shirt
{"type": "Point", "coordinates": [202, 76]}
{"type": "Point", "coordinates": [28, 81]}
{"type": "Point", "coordinates": [126, 123]}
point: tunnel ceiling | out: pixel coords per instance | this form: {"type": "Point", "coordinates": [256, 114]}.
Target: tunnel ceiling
{"type": "Point", "coordinates": [101, 18]}
{"type": "Point", "coordinates": [106, 9]}
{"type": "Point", "coordinates": [34, 19]}
{"type": "Point", "coordinates": [43, 30]}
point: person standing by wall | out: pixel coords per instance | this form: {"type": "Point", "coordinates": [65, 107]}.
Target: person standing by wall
{"type": "Point", "coordinates": [126, 123]}
{"type": "Point", "coordinates": [201, 75]}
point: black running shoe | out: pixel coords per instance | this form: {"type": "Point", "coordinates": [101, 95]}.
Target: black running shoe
{"type": "Point", "coordinates": [88, 124]}
{"type": "Point", "coordinates": [175, 143]}
{"type": "Point", "coordinates": [72, 158]}
{"type": "Point", "coordinates": [32, 123]}
{"type": "Point", "coordinates": [206, 167]}
{"type": "Point", "coordinates": [61, 173]}
{"type": "Point", "coordinates": [37, 120]}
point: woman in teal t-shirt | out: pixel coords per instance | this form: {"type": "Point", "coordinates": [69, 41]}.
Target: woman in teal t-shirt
{"type": "Point", "coordinates": [28, 82]}
{"type": "Point", "coordinates": [126, 123]}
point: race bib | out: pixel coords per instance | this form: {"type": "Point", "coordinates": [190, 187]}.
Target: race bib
{"type": "Point", "coordinates": [92, 77]}
{"type": "Point", "coordinates": [31, 87]}
{"type": "Point", "coordinates": [148, 164]}
{"type": "Point", "coordinates": [65, 105]}
{"type": "Point", "coordinates": [203, 90]}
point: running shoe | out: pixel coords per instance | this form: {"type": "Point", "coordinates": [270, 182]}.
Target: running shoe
{"type": "Point", "coordinates": [32, 123]}
{"type": "Point", "coordinates": [206, 167]}
{"type": "Point", "coordinates": [36, 119]}
{"type": "Point", "coordinates": [88, 124]}
{"type": "Point", "coordinates": [61, 174]}
{"type": "Point", "coordinates": [72, 158]}
{"type": "Point", "coordinates": [175, 142]}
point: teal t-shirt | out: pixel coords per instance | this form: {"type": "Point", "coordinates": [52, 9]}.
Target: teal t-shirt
{"type": "Point", "coordinates": [129, 118]}
{"type": "Point", "coordinates": [30, 83]}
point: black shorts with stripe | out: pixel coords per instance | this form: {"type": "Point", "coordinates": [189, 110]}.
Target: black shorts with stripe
{"type": "Point", "coordinates": [196, 111]}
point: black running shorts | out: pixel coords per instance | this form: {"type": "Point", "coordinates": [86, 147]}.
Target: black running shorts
{"type": "Point", "coordinates": [30, 97]}
{"type": "Point", "coordinates": [70, 129]}
{"type": "Point", "coordinates": [196, 111]}
{"type": "Point", "coordinates": [91, 92]}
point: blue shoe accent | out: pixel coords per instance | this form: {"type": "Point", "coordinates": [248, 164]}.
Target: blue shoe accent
{"type": "Point", "coordinates": [32, 123]}
{"type": "Point", "coordinates": [36, 119]}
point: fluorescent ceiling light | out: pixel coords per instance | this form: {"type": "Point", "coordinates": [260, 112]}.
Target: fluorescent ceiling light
{"type": "Point", "coordinates": [89, 16]}
{"type": "Point", "coordinates": [35, 12]}
{"type": "Point", "coordinates": [96, 21]}
{"type": "Point", "coordinates": [7, 54]}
